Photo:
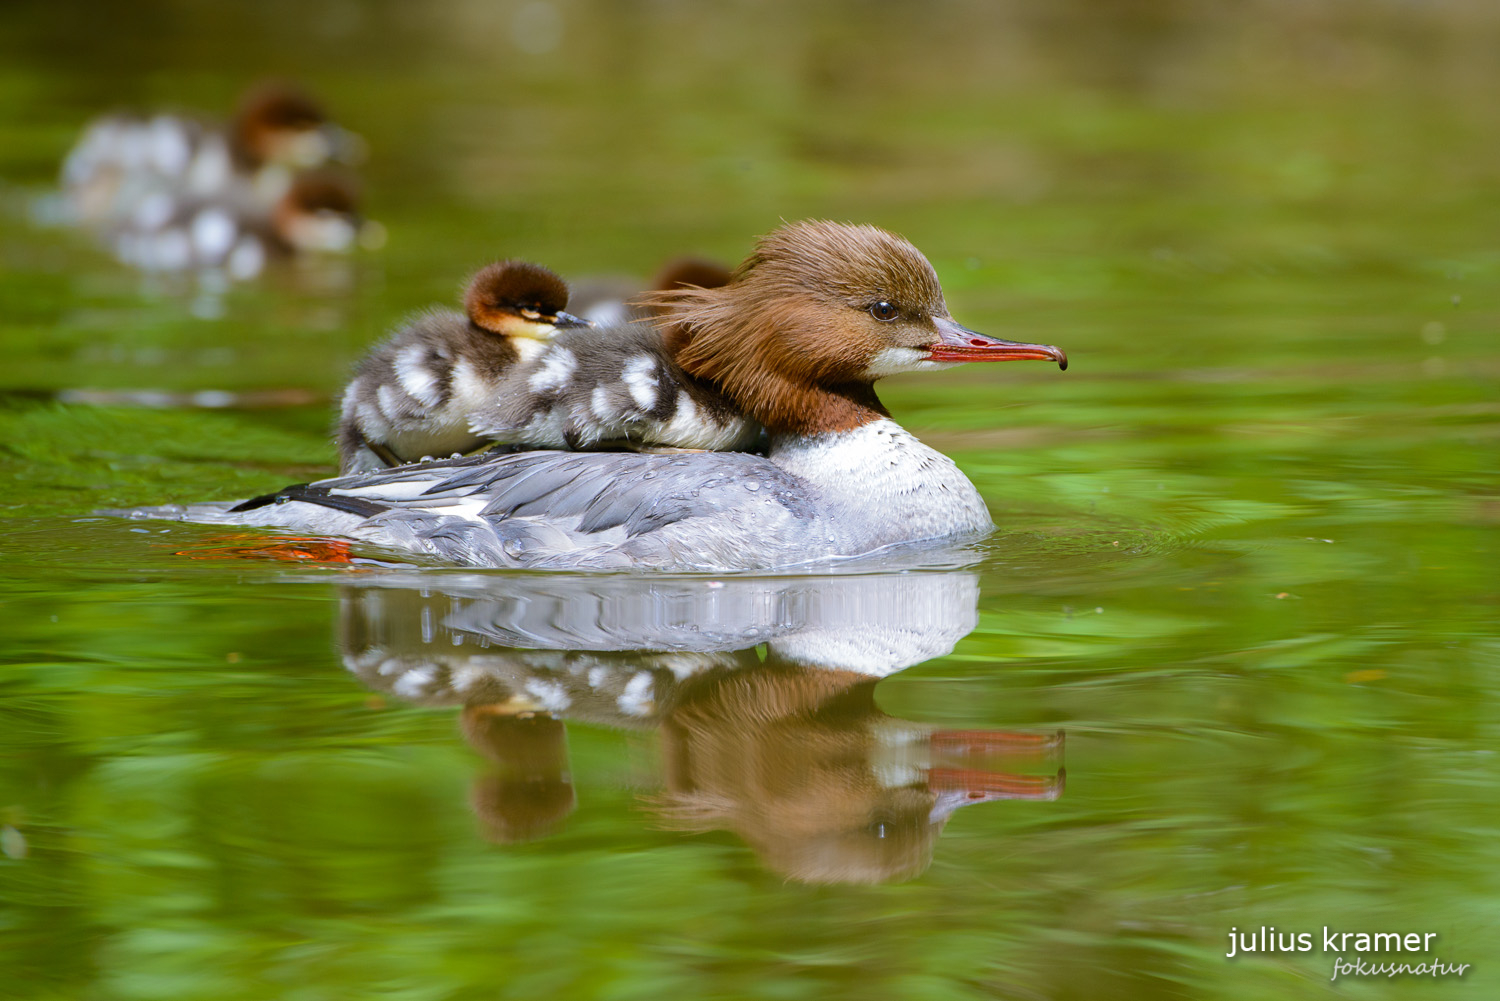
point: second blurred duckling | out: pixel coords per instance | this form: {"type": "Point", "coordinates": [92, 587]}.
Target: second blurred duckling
{"type": "Point", "coordinates": [413, 396]}
{"type": "Point", "coordinates": [318, 214]}
{"type": "Point", "coordinates": [121, 161]}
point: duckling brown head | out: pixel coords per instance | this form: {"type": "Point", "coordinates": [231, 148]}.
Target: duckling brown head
{"type": "Point", "coordinates": [814, 316]}
{"type": "Point", "coordinates": [519, 299]}
{"type": "Point", "coordinates": [277, 123]}
{"type": "Point", "coordinates": [319, 212]}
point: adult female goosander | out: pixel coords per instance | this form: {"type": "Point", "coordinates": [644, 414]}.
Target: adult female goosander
{"type": "Point", "coordinates": [121, 161]}
{"type": "Point", "coordinates": [814, 316]}
{"type": "Point", "coordinates": [412, 396]}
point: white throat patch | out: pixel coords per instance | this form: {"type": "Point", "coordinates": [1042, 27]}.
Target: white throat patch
{"type": "Point", "coordinates": [893, 361]}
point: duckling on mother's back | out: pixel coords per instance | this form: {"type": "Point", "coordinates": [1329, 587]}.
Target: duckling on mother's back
{"type": "Point", "coordinates": [413, 396]}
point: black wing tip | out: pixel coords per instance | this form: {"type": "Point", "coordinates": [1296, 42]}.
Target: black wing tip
{"type": "Point", "coordinates": [309, 494]}
{"type": "Point", "coordinates": [266, 500]}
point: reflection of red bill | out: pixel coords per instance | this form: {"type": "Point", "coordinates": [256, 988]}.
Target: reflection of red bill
{"type": "Point", "coordinates": [980, 786]}
{"type": "Point", "coordinates": [286, 548]}
{"type": "Point", "coordinates": [972, 766]}
{"type": "Point", "coordinates": [986, 743]}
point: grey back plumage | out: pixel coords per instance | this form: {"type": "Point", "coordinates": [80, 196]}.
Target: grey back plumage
{"type": "Point", "coordinates": [549, 510]}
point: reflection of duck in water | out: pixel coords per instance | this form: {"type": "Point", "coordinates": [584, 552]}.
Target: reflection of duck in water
{"type": "Point", "coordinates": [824, 786]}
{"type": "Point", "coordinates": [791, 754]}
{"type": "Point", "coordinates": [529, 790]}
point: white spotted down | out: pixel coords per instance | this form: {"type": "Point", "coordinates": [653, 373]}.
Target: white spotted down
{"type": "Point", "coordinates": [414, 682]}
{"type": "Point", "coordinates": [640, 378]}
{"type": "Point", "coordinates": [389, 402]}
{"type": "Point", "coordinates": [416, 378]}
{"type": "Point", "coordinates": [470, 388]}
{"type": "Point", "coordinates": [554, 372]}
{"type": "Point", "coordinates": [371, 420]}
{"type": "Point", "coordinates": [599, 403]}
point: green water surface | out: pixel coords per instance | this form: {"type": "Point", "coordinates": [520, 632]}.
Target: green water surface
{"type": "Point", "coordinates": [1246, 561]}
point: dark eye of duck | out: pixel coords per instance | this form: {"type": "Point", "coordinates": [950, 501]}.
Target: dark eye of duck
{"type": "Point", "coordinates": [884, 311]}
{"type": "Point", "coordinates": [531, 312]}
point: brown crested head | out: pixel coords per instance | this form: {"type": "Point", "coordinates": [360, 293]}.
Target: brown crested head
{"type": "Point", "coordinates": [813, 317]}
{"type": "Point", "coordinates": [269, 121]}
{"type": "Point", "coordinates": [518, 298]}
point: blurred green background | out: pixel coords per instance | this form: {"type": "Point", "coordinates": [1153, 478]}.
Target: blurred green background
{"type": "Point", "coordinates": [1247, 558]}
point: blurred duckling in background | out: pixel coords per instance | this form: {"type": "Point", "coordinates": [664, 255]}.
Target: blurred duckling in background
{"type": "Point", "coordinates": [317, 214]}
{"type": "Point", "coordinates": [412, 397]}
{"type": "Point", "coordinates": [122, 160]}
{"type": "Point", "coordinates": [621, 387]}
